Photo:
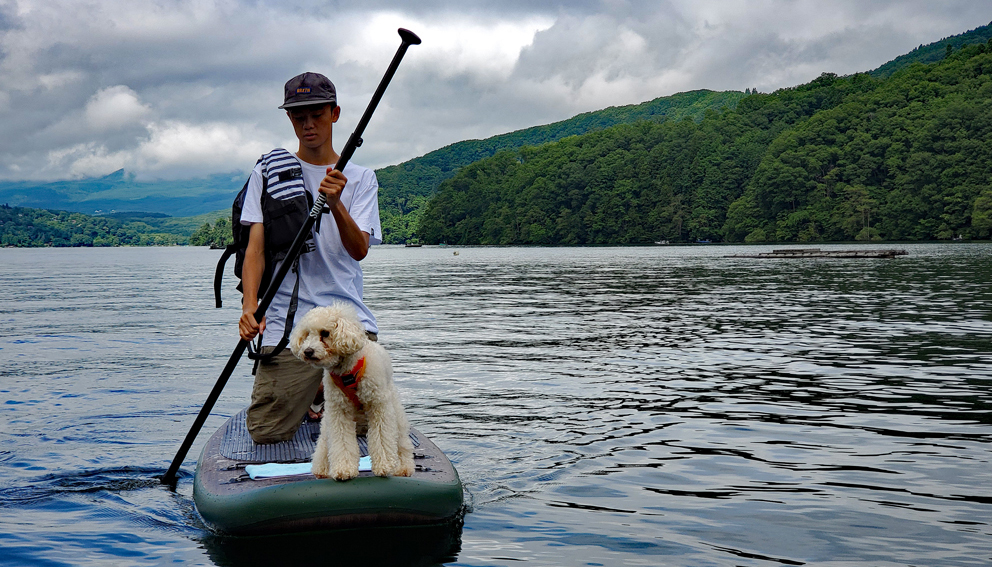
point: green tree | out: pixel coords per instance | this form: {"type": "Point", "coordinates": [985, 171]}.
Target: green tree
{"type": "Point", "coordinates": [202, 236]}
{"type": "Point", "coordinates": [981, 214]}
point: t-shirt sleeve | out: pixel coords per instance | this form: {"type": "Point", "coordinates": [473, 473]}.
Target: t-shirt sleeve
{"type": "Point", "coordinates": [251, 211]}
{"type": "Point", "coordinates": [365, 207]}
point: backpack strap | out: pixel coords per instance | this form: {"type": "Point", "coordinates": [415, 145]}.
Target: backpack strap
{"type": "Point", "coordinates": [229, 251]}
{"type": "Point", "coordinates": [286, 203]}
{"type": "Point", "coordinates": [294, 300]}
{"type": "Point", "coordinates": [240, 240]}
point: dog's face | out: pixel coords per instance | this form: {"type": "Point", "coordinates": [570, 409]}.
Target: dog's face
{"type": "Point", "coordinates": [326, 335]}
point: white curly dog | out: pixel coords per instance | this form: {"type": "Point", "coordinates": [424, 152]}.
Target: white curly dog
{"type": "Point", "coordinates": [359, 393]}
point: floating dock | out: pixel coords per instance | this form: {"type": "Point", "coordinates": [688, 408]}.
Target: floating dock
{"type": "Point", "coordinates": [817, 253]}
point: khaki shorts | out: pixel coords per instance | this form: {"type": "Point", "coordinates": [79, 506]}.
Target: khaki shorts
{"type": "Point", "coordinates": [285, 386]}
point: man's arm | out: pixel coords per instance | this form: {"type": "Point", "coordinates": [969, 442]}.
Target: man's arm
{"type": "Point", "coordinates": [355, 240]}
{"type": "Point", "coordinates": [251, 278]}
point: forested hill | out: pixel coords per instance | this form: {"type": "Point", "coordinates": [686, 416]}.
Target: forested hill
{"type": "Point", "coordinates": [27, 227]}
{"type": "Point", "coordinates": [405, 188]}
{"type": "Point", "coordinates": [936, 51]}
{"type": "Point", "coordinates": [840, 158]}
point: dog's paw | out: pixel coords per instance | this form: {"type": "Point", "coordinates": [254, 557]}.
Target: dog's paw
{"type": "Point", "coordinates": [385, 465]}
{"type": "Point", "coordinates": [406, 470]}
{"type": "Point", "coordinates": [344, 472]}
{"type": "Point", "coordinates": [320, 469]}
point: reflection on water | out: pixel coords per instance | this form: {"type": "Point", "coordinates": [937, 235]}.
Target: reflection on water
{"type": "Point", "coordinates": [655, 406]}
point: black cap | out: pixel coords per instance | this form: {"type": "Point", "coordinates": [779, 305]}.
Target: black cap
{"type": "Point", "coordinates": [308, 89]}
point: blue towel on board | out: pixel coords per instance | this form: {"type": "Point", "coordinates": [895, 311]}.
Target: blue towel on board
{"type": "Point", "coordinates": [269, 470]}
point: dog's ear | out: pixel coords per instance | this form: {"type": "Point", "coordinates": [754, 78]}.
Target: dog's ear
{"type": "Point", "coordinates": [349, 337]}
{"type": "Point", "coordinates": [296, 339]}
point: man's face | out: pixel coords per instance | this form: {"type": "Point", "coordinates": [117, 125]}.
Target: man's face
{"type": "Point", "coordinates": [313, 124]}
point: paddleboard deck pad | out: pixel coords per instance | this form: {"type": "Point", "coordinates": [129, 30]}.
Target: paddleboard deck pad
{"type": "Point", "coordinates": [230, 502]}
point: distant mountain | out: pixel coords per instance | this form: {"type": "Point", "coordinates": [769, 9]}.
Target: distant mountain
{"type": "Point", "coordinates": [933, 52]}
{"type": "Point", "coordinates": [121, 192]}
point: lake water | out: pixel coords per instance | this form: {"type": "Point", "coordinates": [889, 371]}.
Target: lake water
{"type": "Point", "coordinates": [604, 406]}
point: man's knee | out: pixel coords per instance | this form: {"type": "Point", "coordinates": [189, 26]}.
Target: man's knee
{"type": "Point", "coordinates": [266, 424]}
{"type": "Point", "coordinates": [284, 389]}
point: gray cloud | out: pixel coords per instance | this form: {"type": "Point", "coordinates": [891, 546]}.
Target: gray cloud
{"type": "Point", "coordinates": [180, 88]}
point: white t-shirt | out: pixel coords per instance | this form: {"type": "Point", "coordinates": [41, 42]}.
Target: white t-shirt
{"type": "Point", "coordinates": [329, 273]}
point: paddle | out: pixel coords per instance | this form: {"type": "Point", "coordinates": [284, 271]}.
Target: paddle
{"type": "Point", "coordinates": [408, 38]}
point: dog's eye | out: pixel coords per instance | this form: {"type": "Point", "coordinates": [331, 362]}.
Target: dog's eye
{"type": "Point", "coordinates": [325, 334]}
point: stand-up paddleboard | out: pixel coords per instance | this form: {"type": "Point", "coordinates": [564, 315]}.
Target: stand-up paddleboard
{"type": "Point", "coordinates": [231, 502]}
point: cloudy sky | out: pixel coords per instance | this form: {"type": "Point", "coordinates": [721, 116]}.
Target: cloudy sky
{"type": "Point", "coordinates": [183, 88]}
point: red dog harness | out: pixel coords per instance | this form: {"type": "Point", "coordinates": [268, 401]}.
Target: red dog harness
{"type": "Point", "coordinates": [348, 383]}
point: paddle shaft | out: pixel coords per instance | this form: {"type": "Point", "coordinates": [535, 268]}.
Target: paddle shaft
{"type": "Point", "coordinates": [354, 141]}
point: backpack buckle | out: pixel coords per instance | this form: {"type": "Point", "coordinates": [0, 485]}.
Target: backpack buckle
{"type": "Point", "coordinates": [291, 173]}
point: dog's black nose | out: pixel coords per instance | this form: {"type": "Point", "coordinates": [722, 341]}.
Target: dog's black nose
{"type": "Point", "coordinates": [308, 353]}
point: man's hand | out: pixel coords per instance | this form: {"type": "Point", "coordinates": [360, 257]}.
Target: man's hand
{"type": "Point", "coordinates": [354, 239]}
{"type": "Point", "coordinates": [251, 274]}
{"type": "Point", "coordinates": [332, 185]}
{"type": "Point", "coordinates": [247, 326]}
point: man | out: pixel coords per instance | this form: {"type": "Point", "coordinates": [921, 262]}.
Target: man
{"type": "Point", "coordinates": [284, 386]}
